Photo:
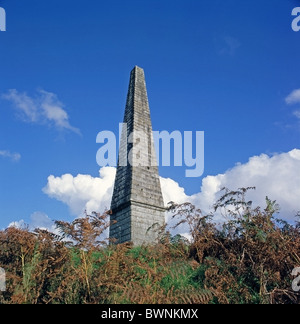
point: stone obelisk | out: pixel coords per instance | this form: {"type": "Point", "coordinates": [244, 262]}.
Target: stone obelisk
{"type": "Point", "coordinates": [137, 203]}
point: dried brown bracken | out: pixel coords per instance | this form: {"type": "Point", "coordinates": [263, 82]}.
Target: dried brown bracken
{"type": "Point", "coordinates": [249, 258]}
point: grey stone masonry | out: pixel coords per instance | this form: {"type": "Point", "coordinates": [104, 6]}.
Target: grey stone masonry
{"type": "Point", "coordinates": [137, 203]}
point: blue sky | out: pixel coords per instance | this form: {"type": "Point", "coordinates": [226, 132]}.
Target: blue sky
{"type": "Point", "coordinates": [223, 67]}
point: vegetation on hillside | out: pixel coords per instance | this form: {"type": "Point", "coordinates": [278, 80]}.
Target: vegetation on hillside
{"type": "Point", "coordinates": [248, 259]}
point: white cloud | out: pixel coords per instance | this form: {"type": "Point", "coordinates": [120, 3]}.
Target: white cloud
{"type": "Point", "coordinates": [18, 224]}
{"type": "Point", "coordinates": [293, 97]}
{"type": "Point", "coordinates": [83, 192]}
{"type": "Point", "coordinates": [276, 176]}
{"type": "Point", "coordinates": [296, 113]}
{"type": "Point", "coordinates": [172, 191]}
{"type": "Point", "coordinates": [42, 221]}
{"type": "Point", "coordinates": [13, 156]}
{"type": "Point", "coordinates": [26, 106]}
{"type": "Point", "coordinates": [37, 220]}
{"type": "Point", "coordinates": [45, 108]}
